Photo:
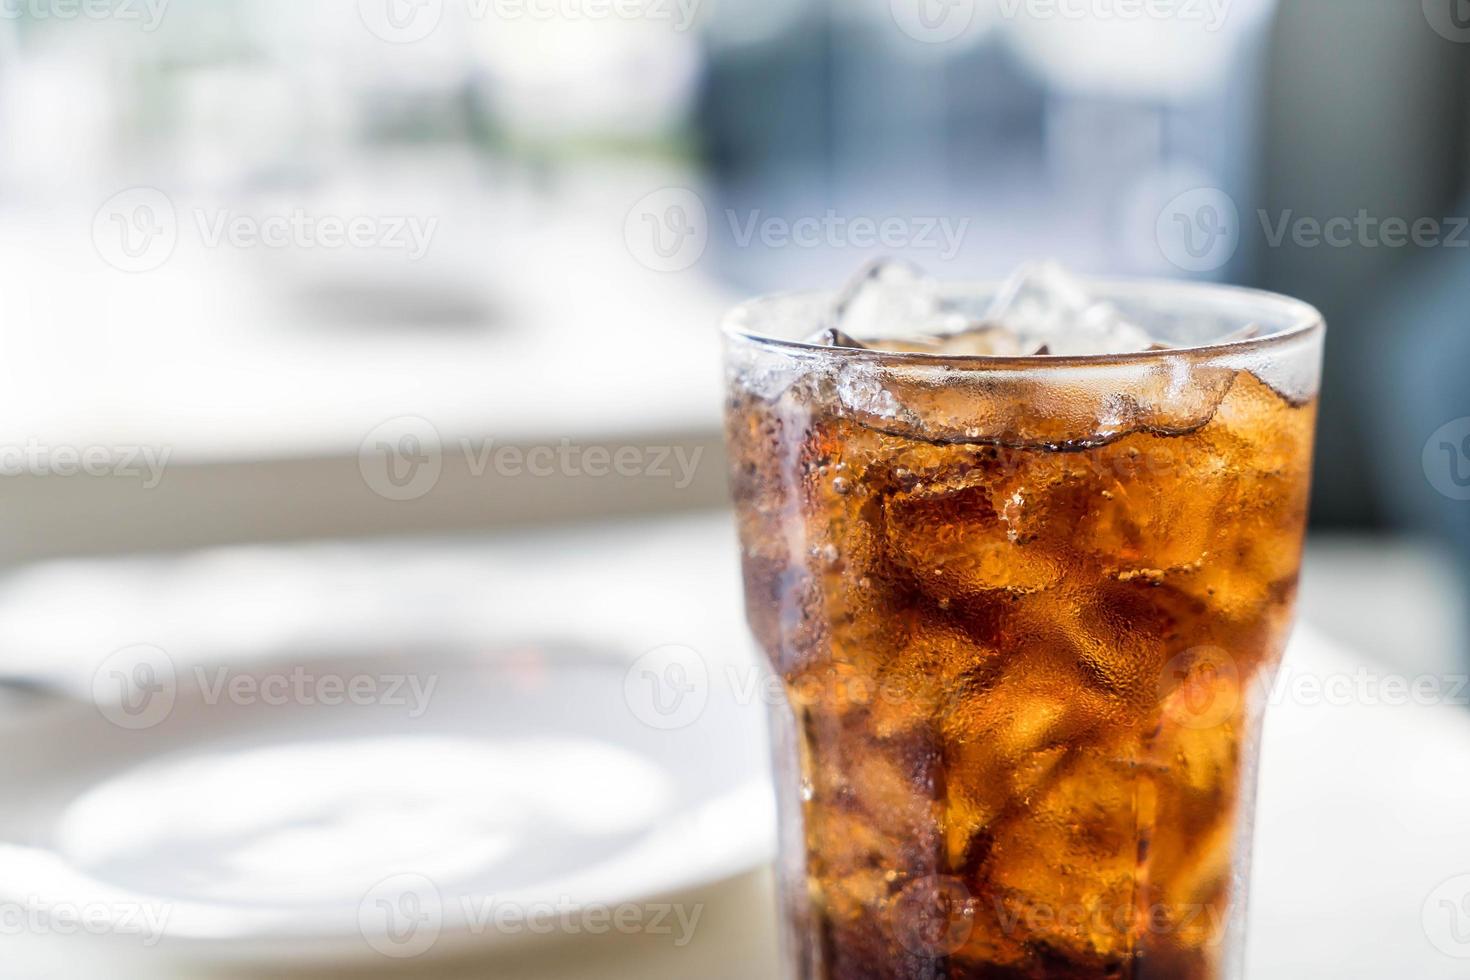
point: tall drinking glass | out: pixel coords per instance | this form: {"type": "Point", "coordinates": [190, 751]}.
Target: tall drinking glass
{"type": "Point", "coordinates": [1026, 611]}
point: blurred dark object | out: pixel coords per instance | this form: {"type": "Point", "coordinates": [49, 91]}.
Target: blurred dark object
{"type": "Point", "coordinates": [1367, 112]}
{"type": "Point", "coordinates": [1419, 339]}
{"type": "Point", "coordinates": [1051, 138]}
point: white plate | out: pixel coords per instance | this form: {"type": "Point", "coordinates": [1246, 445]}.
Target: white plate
{"type": "Point", "coordinates": [237, 829]}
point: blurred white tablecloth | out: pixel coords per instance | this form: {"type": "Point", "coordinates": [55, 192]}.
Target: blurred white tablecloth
{"type": "Point", "coordinates": [257, 375]}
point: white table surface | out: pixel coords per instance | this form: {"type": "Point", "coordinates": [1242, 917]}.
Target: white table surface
{"type": "Point", "coordinates": [1362, 813]}
{"type": "Point", "coordinates": [528, 317]}
{"type": "Point", "coordinates": [257, 374]}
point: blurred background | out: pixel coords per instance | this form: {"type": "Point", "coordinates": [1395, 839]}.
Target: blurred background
{"type": "Point", "coordinates": [342, 337]}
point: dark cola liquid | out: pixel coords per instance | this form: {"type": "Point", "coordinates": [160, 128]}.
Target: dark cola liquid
{"type": "Point", "coordinates": [1023, 682]}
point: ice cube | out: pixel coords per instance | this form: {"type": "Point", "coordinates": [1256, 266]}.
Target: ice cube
{"type": "Point", "coordinates": [890, 299]}
{"type": "Point", "coordinates": [894, 306]}
{"type": "Point", "coordinates": [982, 339]}
{"type": "Point", "coordinates": [1045, 306]}
{"type": "Point", "coordinates": [1248, 332]}
{"type": "Point", "coordinates": [1075, 846]}
{"type": "Point", "coordinates": [1042, 310]}
{"type": "Point", "coordinates": [969, 340]}
{"type": "Point", "coordinates": [832, 337]}
{"type": "Point", "coordinates": [957, 547]}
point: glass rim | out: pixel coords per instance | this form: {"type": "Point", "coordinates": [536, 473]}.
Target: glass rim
{"type": "Point", "coordinates": [1306, 322]}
